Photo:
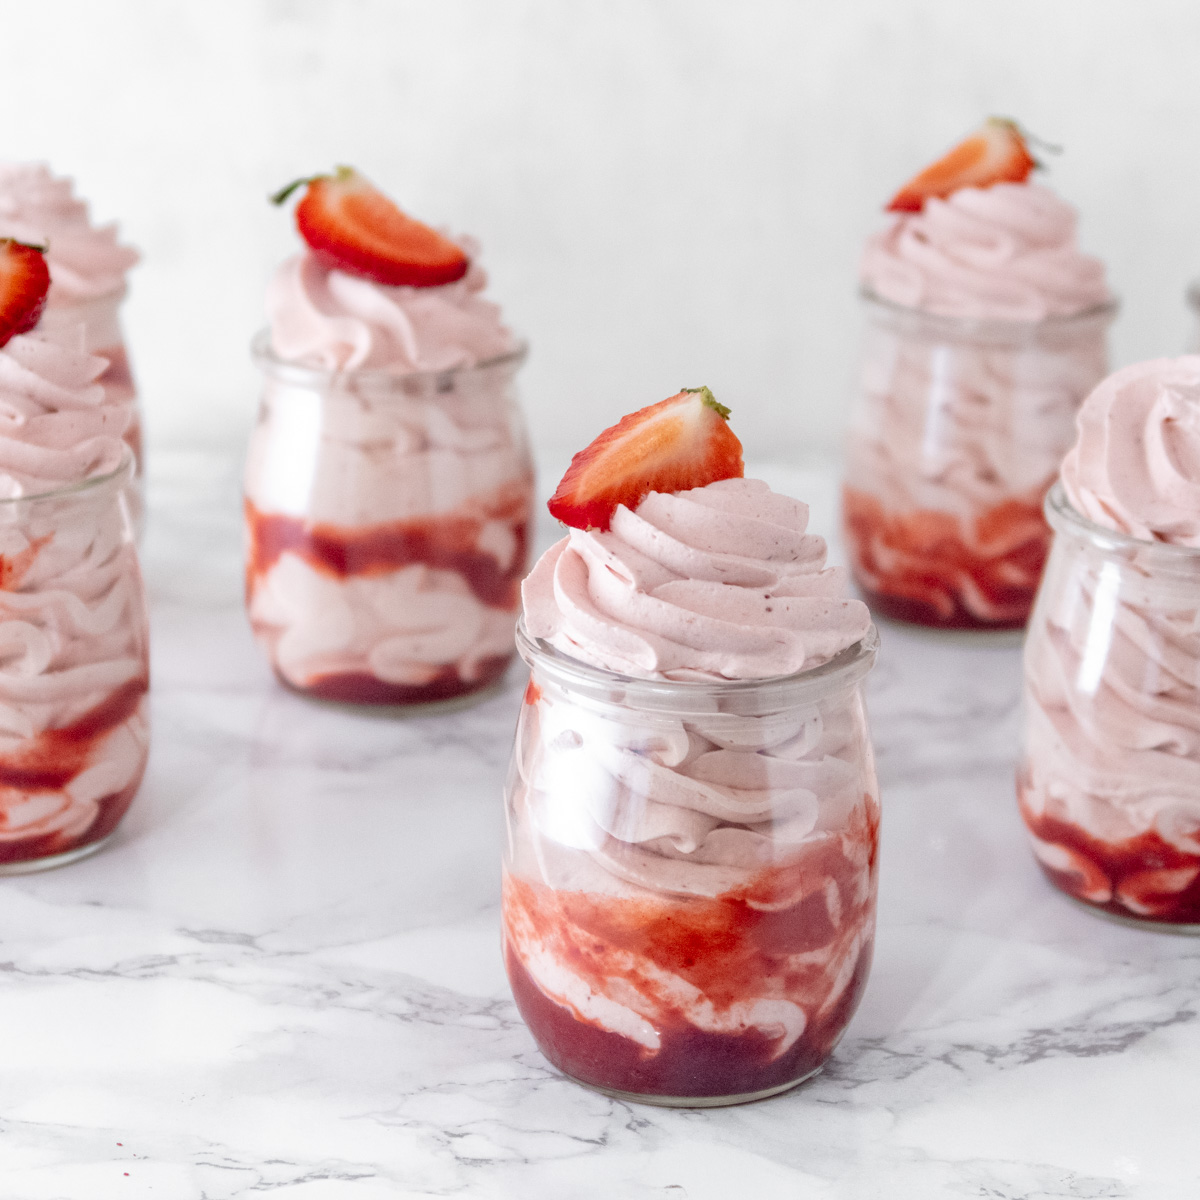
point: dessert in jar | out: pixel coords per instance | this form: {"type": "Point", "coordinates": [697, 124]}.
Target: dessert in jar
{"type": "Point", "coordinates": [1109, 785]}
{"type": "Point", "coordinates": [74, 671]}
{"type": "Point", "coordinates": [388, 485]}
{"type": "Point", "coordinates": [87, 277]}
{"type": "Point", "coordinates": [985, 329]}
{"type": "Point", "coordinates": [692, 810]}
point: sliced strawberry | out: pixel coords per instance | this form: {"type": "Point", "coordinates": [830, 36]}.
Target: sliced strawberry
{"type": "Point", "coordinates": [997, 153]}
{"type": "Point", "coordinates": [24, 282]}
{"type": "Point", "coordinates": [352, 226]}
{"type": "Point", "coordinates": [679, 443]}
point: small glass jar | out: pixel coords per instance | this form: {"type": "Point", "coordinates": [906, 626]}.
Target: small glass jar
{"type": "Point", "coordinates": [387, 528]}
{"type": "Point", "coordinates": [74, 671]}
{"type": "Point", "coordinates": [103, 336]}
{"type": "Point", "coordinates": [1109, 785]}
{"type": "Point", "coordinates": [690, 875]}
{"type": "Point", "coordinates": [956, 437]}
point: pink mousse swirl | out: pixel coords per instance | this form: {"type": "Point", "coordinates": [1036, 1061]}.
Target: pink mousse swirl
{"type": "Point", "coordinates": [329, 319]}
{"type": "Point", "coordinates": [1006, 252]}
{"type": "Point", "coordinates": [720, 582]}
{"type": "Point", "coordinates": [1135, 466]}
{"type": "Point", "coordinates": [86, 261]}
{"type": "Point", "coordinates": [57, 427]}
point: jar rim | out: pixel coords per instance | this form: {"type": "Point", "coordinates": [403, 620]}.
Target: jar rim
{"type": "Point", "coordinates": [1065, 517]}
{"type": "Point", "coordinates": [267, 360]}
{"type": "Point", "coordinates": [996, 326]}
{"type": "Point", "coordinates": [93, 483]}
{"type": "Point", "coordinates": [111, 296]}
{"type": "Point", "coordinates": [704, 696]}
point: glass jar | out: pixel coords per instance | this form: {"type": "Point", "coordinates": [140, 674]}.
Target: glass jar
{"type": "Point", "coordinates": [957, 435]}
{"type": "Point", "coordinates": [1109, 786]}
{"type": "Point", "coordinates": [103, 336]}
{"type": "Point", "coordinates": [74, 671]}
{"type": "Point", "coordinates": [387, 528]}
{"type": "Point", "coordinates": [1193, 301]}
{"type": "Point", "coordinates": [690, 875]}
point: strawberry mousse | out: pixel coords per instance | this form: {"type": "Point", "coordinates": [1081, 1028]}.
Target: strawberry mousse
{"type": "Point", "coordinates": [388, 485]}
{"type": "Point", "coordinates": [88, 267]}
{"type": "Point", "coordinates": [74, 677]}
{"type": "Point", "coordinates": [1110, 783]}
{"type": "Point", "coordinates": [693, 817]}
{"type": "Point", "coordinates": [986, 329]}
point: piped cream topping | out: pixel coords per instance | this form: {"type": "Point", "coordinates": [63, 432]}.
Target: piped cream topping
{"type": "Point", "coordinates": [720, 582]}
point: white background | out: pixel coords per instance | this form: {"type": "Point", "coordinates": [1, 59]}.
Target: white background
{"type": "Point", "coordinates": [668, 192]}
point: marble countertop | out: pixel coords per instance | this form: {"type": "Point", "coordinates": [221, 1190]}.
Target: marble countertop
{"type": "Point", "coordinates": [283, 975]}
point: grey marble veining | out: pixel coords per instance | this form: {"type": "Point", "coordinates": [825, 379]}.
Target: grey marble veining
{"type": "Point", "coordinates": [283, 976]}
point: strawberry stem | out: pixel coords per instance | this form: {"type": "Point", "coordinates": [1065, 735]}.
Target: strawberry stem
{"type": "Point", "coordinates": [40, 247]}
{"type": "Point", "coordinates": [280, 196]}
{"type": "Point", "coordinates": [708, 398]}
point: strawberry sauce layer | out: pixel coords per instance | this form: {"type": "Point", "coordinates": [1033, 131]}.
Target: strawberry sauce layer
{"type": "Point", "coordinates": [443, 543]}
{"type": "Point", "coordinates": [50, 761]}
{"type": "Point", "coordinates": [361, 687]}
{"type": "Point", "coordinates": [707, 976]}
{"type": "Point", "coordinates": [1143, 877]}
{"type": "Point", "coordinates": [448, 543]}
{"type": "Point", "coordinates": [917, 566]}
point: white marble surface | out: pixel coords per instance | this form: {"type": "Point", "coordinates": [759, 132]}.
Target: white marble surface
{"type": "Point", "coordinates": [282, 978]}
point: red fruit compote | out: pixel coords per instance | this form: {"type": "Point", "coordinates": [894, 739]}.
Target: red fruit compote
{"type": "Point", "coordinates": [693, 816]}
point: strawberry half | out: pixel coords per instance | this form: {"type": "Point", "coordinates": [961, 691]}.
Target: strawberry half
{"type": "Point", "coordinates": [680, 443]}
{"type": "Point", "coordinates": [24, 283]}
{"type": "Point", "coordinates": [352, 226]}
{"type": "Point", "coordinates": [997, 153]}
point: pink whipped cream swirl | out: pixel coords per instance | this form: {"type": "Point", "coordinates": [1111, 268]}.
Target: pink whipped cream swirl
{"type": "Point", "coordinates": [1006, 252]}
{"type": "Point", "coordinates": [1135, 467]}
{"type": "Point", "coordinates": [86, 261]}
{"type": "Point", "coordinates": [719, 582]}
{"type": "Point", "coordinates": [330, 319]}
{"type": "Point", "coordinates": [57, 425]}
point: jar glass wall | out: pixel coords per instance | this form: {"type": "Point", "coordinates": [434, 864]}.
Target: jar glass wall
{"type": "Point", "coordinates": [387, 528]}
{"type": "Point", "coordinates": [956, 436]}
{"type": "Point", "coordinates": [1193, 302]}
{"type": "Point", "coordinates": [74, 674]}
{"type": "Point", "coordinates": [1109, 786]}
{"type": "Point", "coordinates": [690, 875]}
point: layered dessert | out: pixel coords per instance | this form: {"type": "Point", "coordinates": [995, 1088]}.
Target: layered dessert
{"type": "Point", "coordinates": [88, 266]}
{"type": "Point", "coordinates": [693, 818]}
{"type": "Point", "coordinates": [75, 667]}
{"type": "Point", "coordinates": [986, 329]}
{"type": "Point", "coordinates": [388, 486]}
{"type": "Point", "coordinates": [1110, 783]}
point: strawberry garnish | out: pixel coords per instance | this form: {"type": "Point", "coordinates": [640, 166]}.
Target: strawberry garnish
{"type": "Point", "coordinates": [997, 153]}
{"type": "Point", "coordinates": [24, 282]}
{"type": "Point", "coordinates": [352, 226]}
{"type": "Point", "coordinates": [680, 443]}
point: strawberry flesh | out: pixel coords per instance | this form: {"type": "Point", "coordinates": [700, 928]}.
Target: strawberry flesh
{"type": "Point", "coordinates": [996, 153]}
{"type": "Point", "coordinates": [24, 285]}
{"type": "Point", "coordinates": [352, 226]}
{"type": "Point", "coordinates": [682, 442]}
